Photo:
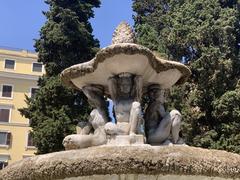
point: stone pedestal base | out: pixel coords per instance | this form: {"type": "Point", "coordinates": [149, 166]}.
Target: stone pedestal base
{"type": "Point", "coordinates": [126, 140]}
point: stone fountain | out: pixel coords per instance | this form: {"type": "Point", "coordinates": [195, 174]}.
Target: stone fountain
{"type": "Point", "coordinates": [139, 144]}
{"type": "Point", "coordinates": [124, 72]}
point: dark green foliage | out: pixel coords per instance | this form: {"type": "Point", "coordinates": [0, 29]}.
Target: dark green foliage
{"type": "Point", "coordinates": [148, 36]}
{"type": "Point", "coordinates": [227, 112]}
{"type": "Point", "coordinates": [65, 39]}
{"type": "Point", "coordinates": [206, 35]}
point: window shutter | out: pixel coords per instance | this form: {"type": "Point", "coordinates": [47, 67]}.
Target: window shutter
{"type": "Point", "coordinates": [9, 64]}
{"type": "Point", "coordinates": [4, 115]}
{"type": "Point", "coordinates": [9, 135]}
{"type": "Point", "coordinates": [33, 92]}
{"type": "Point", "coordinates": [37, 67]}
{"type": "Point", "coordinates": [30, 139]}
{"type": "Point", "coordinates": [7, 91]}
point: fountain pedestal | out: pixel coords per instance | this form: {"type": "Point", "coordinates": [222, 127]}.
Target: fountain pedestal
{"type": "Point", "coordinates": [126, 140]}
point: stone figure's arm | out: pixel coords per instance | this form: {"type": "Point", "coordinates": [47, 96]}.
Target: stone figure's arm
{"type": "Point", "coordinates": [161, 110]}
{"type": "Point", "coordinates": [112, 87]}
{"type": "Point", "coordinates": [88, 91]}
{"type": "Point", "coordinates": [86, 130]}
{"type": "Point", "coordinates": [137, 88]}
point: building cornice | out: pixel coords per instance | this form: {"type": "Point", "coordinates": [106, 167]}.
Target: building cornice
{"type": "Point", "coordinates": [19, 76]}
{"type": "Point", "coordinates": [22, 53]}
{"type": "Point", "coordinates": [14, 124]}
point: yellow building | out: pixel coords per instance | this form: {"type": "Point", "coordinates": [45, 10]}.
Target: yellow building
{"type": "Point", "coordinates": [19, 72]}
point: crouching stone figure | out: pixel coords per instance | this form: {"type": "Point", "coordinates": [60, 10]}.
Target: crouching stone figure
{"type": "Point", "coordinates": [161, 127]}
{"type": "Point", "coordinates": [94, 133]}
{"type": "Point", "coordinates": [126, 90]}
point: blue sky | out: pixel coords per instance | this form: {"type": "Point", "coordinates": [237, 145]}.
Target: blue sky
{"type": "Point", "coordinates": [21, 20]}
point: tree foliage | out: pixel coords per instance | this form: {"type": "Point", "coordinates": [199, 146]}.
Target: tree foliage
{"type": "Point", "coordinates": [205, 36]}
{"type": "Point", "coordinates": [65, 39]}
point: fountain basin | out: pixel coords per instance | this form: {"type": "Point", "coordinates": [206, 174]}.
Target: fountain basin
{"type": "Point", "coordinates": [126, 57]}
{"type": "Point", "coordinates": [128, 162]}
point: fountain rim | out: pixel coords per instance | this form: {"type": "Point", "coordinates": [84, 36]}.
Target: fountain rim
{"type": "Point", "coordinates": [144, 159]}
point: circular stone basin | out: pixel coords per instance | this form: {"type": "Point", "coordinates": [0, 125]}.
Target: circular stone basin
{"type": "Point", "coordinates": [126, 57]}
{"type": "Point", "coordinates": [128, 162]}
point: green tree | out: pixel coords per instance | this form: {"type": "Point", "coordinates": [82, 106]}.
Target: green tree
{"type": "Point", "coordinates": [65, 39]}
{"type": "Point", "coordinates": [205, 34]}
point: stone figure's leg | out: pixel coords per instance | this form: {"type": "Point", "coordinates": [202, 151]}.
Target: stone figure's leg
{"type": "Point", "coordinates": [162, 132]}
{"type": "Point", "coordinates": [85, 130]}
{"type": "Point", "coordinates": [115, 129]}
{"type": "Point", "coordinates": [76, 141]}
{"type": "Point", "coordinates": [176, 122]}
{"type": "Point", "coordinates": [99, 137]}
{"type": "Point", "coordinates": [135, 117]}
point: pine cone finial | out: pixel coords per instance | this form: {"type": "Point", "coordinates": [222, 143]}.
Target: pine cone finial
{"type": "Point", "coordinates": [123, 34]}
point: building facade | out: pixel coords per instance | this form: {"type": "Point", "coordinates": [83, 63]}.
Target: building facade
{"type": "Point", "coordinates": [19, 72]}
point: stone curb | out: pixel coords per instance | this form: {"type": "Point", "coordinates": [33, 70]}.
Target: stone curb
{"type": "Point", "coordinates": [145, 159]}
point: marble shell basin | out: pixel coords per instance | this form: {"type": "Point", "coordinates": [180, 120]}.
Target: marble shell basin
{"type": "Point", "coordinates": [126, 57]}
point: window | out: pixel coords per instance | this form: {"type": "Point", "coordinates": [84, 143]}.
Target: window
{"type": "Point", "coordinates": [5, 138]}
{"type": "Point", "coordinates": [4, 114]}
{"type": "Point", "coordinates": [33, 92]}
{"type": "Point", "coordinates": [3, 164]}
{"type": "Point", "coordinates": [30, 140]}
{"type": "Point", "coordinates": [7, 91]}
{"type": "Point", "coordinates": [9, 64]}
{"type": "Point", "coordinates": [37, 67]}
{"type": "Point", "coordinates": [4, 160]}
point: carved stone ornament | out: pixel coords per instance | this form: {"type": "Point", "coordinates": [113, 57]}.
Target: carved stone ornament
{"type": "Point", "coordinates": [123, 34]}
{"type": "Point", "coordinates": [123, 72]}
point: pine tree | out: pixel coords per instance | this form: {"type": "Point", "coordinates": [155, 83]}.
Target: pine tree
{"type": "Point", "coordinates": [65, 39]}
{"type": "Point", "coordinates": [205, 36]}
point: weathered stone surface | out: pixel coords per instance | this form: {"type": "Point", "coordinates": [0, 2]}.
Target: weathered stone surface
{"type": "Point", "coordinates": [146, 177]}
{"type": "Point", "coordinates": [123, 72]}
{"type": "Point", "coordinates": [146, 160]}
{"type": "Point", "coordinates": [123, 34]}
{"type": "Point", "coordinates": [123, 140]}
{"type": "Point", "coordinates": [126, 57]}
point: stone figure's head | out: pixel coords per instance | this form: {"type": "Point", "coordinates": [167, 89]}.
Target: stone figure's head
{"type": "Point", "coordinates": [155, 93]}
{"type": "Point", "coordinates": [125, 83]}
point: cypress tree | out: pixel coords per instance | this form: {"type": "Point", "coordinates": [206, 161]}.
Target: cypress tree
{"type": "Point", "coordinates": [65, 39]}
{"type": "Point", "coordinates": [205, 36]}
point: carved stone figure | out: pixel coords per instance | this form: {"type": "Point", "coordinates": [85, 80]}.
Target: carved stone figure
{"type": "Point", "coordinates": [126, 91]}
{"type": "Point", "coordinates": [160, 125]}
{"type": "Point", "coordinates": [98, 118]}
{"type": "Point", "coordinates": [122, 71]}
{"type": "Point", "coordinates": [95, 95]}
